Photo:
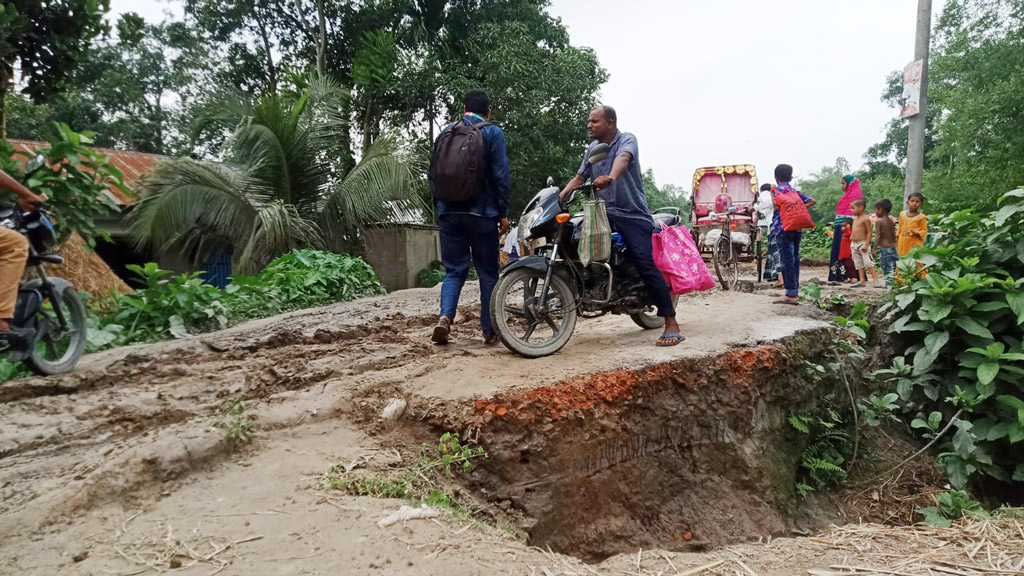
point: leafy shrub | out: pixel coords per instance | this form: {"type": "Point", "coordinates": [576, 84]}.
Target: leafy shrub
{"type": "Point", "coordinates": [301, 279]}
{"type": "Point", "coordinates": [816, 244]}
{"type": "Point", "coordinates": [167, 307]}
{"type": "Point", "coordinates": [961, 330]}
{"type": "Point", "coordinates": [76, 192]}
{"type": "Point", "coordinates": [174, 306]}
{"type": "Point", "coordinates": [953, 505]}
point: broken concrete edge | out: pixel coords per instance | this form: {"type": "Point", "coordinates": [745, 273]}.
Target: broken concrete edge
{"type": "Point", "coordinates": [711, 431]}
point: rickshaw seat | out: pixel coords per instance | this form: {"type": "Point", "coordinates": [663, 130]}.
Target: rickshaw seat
{"type": "Point", "coordinates": [711, 221]}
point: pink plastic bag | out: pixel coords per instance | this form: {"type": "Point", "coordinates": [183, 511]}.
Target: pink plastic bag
{"type": "Point", "coordinates": [679, 261]}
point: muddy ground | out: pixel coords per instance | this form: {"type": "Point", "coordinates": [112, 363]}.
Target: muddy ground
{"type": "Point", "coordinates": [128, 466]}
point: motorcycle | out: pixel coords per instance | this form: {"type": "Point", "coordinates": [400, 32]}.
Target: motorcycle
{"type": "Point", "coordinates": [537, 300]}
{"type": "Point", "coordinates": [47, 306]}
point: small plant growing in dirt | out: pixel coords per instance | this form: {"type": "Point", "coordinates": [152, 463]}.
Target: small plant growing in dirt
{"type": "Point", "coordinates": [877, 409]}
{"type": "Point", "coordinates": [953, 505]}
{"type": "Point", "coordinates": [452, 454]}
{"type": "Point", "coordinates": [812, 292]}
{"type": "Point", "coordinates": [821, 461]}
{"type": "Point", "coordinates": [411, 483]}
{"type": "Point", "coordinates": [235, 420]}
{"type": "Point", "coordinates": [856, 323]}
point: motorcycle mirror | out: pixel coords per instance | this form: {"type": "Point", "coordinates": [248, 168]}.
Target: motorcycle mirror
{"type": "Point", "coordinates": [599, 153]}
{"type": "Point", "coordinates": [551, 181]}
{"type": "Point", "coordinates": [34, 164]}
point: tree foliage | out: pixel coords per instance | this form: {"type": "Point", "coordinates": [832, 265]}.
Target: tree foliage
{"type": "Point", "coordinates": [41, 41]}
{"type": "Point", "coordinates": [975, 125]}
{"type": "Point", "coordinates": [74, 179]}
{"type": "Point", "coordinates": [132, 91]}
{"type": "Point", "coordinates": [960, 331]}
{"type": "Point", "coordinates": [275, 192]}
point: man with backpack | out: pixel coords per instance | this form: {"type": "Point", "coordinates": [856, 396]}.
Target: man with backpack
{"type": "Point", "coordinates": [469, 179]}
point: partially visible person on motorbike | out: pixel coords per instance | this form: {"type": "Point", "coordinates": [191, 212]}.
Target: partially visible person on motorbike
{"type": "Point", "coordinates": [619, 180]}
{"type": "Point", "coordinates": [13, 255]}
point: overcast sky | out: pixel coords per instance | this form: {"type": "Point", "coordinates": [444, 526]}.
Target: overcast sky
{"type": "Point", "coordinates": [704, 82]}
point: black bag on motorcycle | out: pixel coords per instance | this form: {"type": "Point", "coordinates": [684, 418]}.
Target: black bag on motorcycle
{"type": "Point", "coordinates": [596, 238]}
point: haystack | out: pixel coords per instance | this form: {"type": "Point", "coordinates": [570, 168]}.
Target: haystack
{"type": "Point", "coordinates": [86, 270]}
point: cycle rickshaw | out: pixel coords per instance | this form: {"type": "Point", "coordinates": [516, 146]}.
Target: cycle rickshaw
{"type": "Point", "coordinates": [723, 217]}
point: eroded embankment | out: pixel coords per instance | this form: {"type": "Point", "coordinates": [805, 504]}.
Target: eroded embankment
{"type": "Point", "coordinates": [680, 455]}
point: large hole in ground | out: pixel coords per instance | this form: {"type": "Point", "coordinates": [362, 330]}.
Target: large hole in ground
{"type": "Point", "coordinates": [692, 454]}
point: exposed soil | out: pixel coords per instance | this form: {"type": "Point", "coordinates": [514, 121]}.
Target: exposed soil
{"type": "Point", "coordinates": [608, 447]}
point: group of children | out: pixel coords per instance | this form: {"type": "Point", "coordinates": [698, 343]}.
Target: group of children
{"type": "Point", "coordinates": [856, 251]}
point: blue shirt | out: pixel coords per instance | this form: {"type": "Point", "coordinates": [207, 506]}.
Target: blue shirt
{"type": "Point", "coordinates": [625, 197]}
{"type": "Point", "coordinates": [777, 218]}
{"type": "Point", "coordinates": [492, 201]}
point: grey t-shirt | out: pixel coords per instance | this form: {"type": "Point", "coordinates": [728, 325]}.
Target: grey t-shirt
{"type": "Point", "coordinates": [625, 197]}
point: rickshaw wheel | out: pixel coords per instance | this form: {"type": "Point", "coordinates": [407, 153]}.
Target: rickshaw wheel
{"type": "Point", "coordinates": [727, 266]}
{"type": "Point", "coordinates": [759, 256]}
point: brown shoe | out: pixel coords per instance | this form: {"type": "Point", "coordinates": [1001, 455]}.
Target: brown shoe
{"type": "Point", "coordinates": [491, 339]}
{"type": "Point", "coordinates": [440, 336]}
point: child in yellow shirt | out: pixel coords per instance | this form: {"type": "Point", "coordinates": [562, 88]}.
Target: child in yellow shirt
{"type": "Point", "coordinates": [913, 227]}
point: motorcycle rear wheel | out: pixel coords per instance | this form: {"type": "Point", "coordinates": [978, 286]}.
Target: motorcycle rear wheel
{"type": "Point", "coordinates": [517, 326]}
{"type": "Point", "coordinates": [57, 350]}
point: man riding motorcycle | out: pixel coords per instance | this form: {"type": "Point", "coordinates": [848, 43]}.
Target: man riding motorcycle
{"type": "Point", "coordinates": [13, 255]}
{"type": "Point", "coordinates": [619, 181]}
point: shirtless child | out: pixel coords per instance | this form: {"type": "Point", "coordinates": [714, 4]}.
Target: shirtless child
{"type": "Point", "coordinates": [860, 243]}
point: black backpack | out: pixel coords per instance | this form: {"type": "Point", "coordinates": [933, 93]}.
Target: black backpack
{"type": "Point", "coordinates": [460, 163]}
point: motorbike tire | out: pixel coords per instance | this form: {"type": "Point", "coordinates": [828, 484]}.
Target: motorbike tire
{"type": "Point", "coordinates": [500, 317]}
{"type": "Point", "coordinates": [649, 319]}
{"type": "Point", "coordinates": [76, 316]}
{"type": "Point", "coordinates": [727, 266]}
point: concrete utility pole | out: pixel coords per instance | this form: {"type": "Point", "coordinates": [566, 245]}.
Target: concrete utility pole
{"type": "Point", "coordinates": [915, 143]}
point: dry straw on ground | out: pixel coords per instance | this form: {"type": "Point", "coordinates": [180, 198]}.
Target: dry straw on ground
{"type": "Point", "coordinates": [86, 270]}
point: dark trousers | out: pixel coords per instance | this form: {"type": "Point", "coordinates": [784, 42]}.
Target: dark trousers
{"type": "Point", "coordinates": [636, 235]}
{"type": "Point", "coordinates": [789, 251]}
{"type": "Point", "coordinates": [837, 270]}
{"type": "Point", "coordinates": [468, 240]}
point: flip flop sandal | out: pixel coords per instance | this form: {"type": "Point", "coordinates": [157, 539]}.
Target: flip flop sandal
{"type": "Point", "coordinates": [670, 339]}
{"type": "Point", "coordinates": [786, 301]}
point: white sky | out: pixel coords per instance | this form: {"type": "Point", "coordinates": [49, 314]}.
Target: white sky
{"type": "Point", "coordinates": [703, 82]}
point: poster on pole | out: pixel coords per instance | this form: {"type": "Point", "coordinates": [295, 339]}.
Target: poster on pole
{"type": "Point", "coordinates": [912, 89]}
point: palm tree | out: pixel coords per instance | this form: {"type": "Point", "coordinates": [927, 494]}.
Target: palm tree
{"type": "Point", "coordinates": [278, 188]}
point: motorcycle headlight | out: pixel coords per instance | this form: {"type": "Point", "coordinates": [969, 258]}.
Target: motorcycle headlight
{"type": "Point", "coordinates": [527, 221]}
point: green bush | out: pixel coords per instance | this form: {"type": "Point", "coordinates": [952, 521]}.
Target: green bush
{"type": "Point", "coordinates": [959, 329]}
{"type": "Point", "coordinates": [174, 306]}
{"type": "Point", "coordinates": [301, 279]}
{"type": "Point", "coordinates": [167, 307]}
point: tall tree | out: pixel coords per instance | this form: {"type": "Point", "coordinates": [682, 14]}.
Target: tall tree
{"type": "Point", "coordinates": [41, 42]}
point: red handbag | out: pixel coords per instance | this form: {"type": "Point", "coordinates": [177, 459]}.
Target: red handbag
{"type": "Point", "coordinates": [792, 210]}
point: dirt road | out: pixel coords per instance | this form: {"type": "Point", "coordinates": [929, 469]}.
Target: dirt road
{"type": "Point", "coordinates": [126, 466]}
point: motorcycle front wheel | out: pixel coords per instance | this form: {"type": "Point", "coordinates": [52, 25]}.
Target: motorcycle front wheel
{"type": "Point", "coordinates": [523, 325]}
{"type": "Point", "coordinates": [58, 348]}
